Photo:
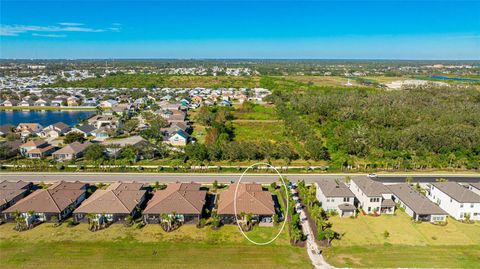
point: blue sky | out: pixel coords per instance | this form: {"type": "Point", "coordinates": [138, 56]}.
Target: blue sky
{"type": "Point", "coordinates": [329, 29]}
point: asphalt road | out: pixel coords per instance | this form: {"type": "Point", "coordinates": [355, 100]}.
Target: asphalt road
{"type": "Point", "coordinates": [223, 178]}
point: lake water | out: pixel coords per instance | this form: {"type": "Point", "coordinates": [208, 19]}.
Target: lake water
{"type": "Point", "coordinates": [45, 118]}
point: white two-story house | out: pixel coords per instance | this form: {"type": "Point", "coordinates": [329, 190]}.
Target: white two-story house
{"type": "Point", "coordinates": [334, 195]}
{"type": "Point", "coordinates": [372, 196]}
{"type": "Point", "coordinates": [457, 200]}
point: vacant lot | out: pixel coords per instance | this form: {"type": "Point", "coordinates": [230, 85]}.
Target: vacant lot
{"type": "Point", "coordinates": [257, 112]}
{"type": "Point", "coordinates": [46, 246]}
{"type": "Point", "coordinates": [259, 130]}
{"type": "Point", "coordinates": [408, 244]}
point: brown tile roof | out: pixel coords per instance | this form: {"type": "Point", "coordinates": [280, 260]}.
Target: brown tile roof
{"type": "Point", "coordinates": [46, 200]}
{"type": "Point", "coordinates": [65, 185]}
{"type": "Point", "coordinates": [112, 202]}
{"type": "Point", "coordinates": [33, 143]}
{"type": "Point", "coordinates": [126, 186]}
{"type": "Point", "coordinates": [73, 148]}
{"type": "Point", "coordinates": [250, 199]}
{"type": "Point", "coordinates": [7, 195]}
{"type": "Point", "coordinates": [41, 150]}
{"type": "Point", "coordinates": [14, 185]}
{"type": "Point", "coordinates": [182, 198]}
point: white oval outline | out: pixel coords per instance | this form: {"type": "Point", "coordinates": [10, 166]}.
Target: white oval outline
{"type": "Point", "coordinates": [235, 205]}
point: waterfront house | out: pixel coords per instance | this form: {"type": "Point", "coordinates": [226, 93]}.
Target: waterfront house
{"type": "Point", "coordinates": [86, 130]}
{"type": "Point", "coordinates": [372, 196]}
{"type": "Point", "coordinates": [458, 201]}
{"type": "Point", "coordinates": [185, 199]}
{"type": "Point", "coordinates": [57, 102]}
{"type": "Point", "coordinates": [251, 199]}
{"type": "Point", "coordinates": [55, 130]}
{"type": "Point", "coordinates": [334, 195]}
{"type": "Point", "coordinates": [55, 202]}
{"type": "Point", "coordinates": [415, 204]}
{"type": "Point", "coordinates": [72, 101]}
{"type": "Point", "coordinates": [40, 102]}
{"type": "Point", "coordinates": [24, 103]}
{"type": "Point", "coordinates": [104, 121]}
{"type": "Point", "coordinates": [108, 103]}
{"type": "Point", "coordinates": [113, 204]}
{"type": "Point", "coordinates": [32, 127]}
{"type": "Point", "coordinates": [9, 103]}
{"type": "Point", "coordinates": [71, 151]}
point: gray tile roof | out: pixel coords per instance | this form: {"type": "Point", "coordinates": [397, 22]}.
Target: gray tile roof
{"type": "Point", "coordinates": [475, 185]}
{"type": "Point", "coordinates": [414, 200]}
{"type": "Point", "coordinates": [370, 187]}
{"type": "Point", "coordinates": [334, 188]}
{"type": "Point", "coordinates": [457, 192]}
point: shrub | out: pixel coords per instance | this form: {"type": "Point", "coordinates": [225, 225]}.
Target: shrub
{"type": "Point", "coordinates": [386, 234]}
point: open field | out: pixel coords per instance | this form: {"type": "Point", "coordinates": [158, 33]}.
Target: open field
{"type": "Point", "coordinates": [258, 130]}
{"type": "Point", "coordinates": [408, 244]}
{"type": "Point", "coordinates": [258, 112]}
{"type": "Point", "coordinates": [117, 246]}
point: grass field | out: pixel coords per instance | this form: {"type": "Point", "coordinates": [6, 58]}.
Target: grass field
{"type": "Point", "coordinates": [259, 130]}
{"type": "Point", "coordinates": [258, 112]}
{"type": "Point", "coordinates": [117, 246]}
{"type": "Point", "coordinates": [408, 245]}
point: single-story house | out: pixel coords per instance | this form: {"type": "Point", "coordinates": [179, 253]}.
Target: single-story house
{"type": "Point", "coordinates": [334, 195]}
{"type": "Point", "coordinates": [10, 103]}
{"type": "Point", "coordinates": [25, 103]}
{"type": "Point", "coordinates": [55, 130]}
{"type": "Point", "coordinates": [33, 127]}
{"type": "Point", "coordinates": [12, 192]}
{"type": "Point", "coordinates": [108, 103]}
{"type": "Point", "coordinates": [38, 153]}
{"type": "Point", "coordinates": [114, 146]}
{"type": "Point", "coordinates": [179, 138]}
{"type": "Point", "coordinates": [56, 201]}
{"type": "Point", "coordinates": [32, 144]}
{"type": "Point", "coordinates": [113, 204]}
{"type": "Point", "coordinates": [416, 205]}
{"type": "Point", "coordinates": [185, 199]}
{"type": "Point", "coordinates": [86, 129]}
{"type": "Point", "coordinates": [71, 151]}
{"type": "Point", "coordinates": [457, 200]}
{"type": "Point", "coordinates": [372, 196]}
{"type": "Point", "coordinates": [103, 120]}
{"type": "Point", "coordinates": [251, 199]}
{"type": "Point", "coordinates": [40, 102]}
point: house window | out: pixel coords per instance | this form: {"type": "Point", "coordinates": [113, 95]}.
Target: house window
{"type": "Point", "coordinates": [471, 205]}
{"type": "Point", "coordinates": [346, 199]}
{"type": "Point", "coordinates": [450, 200]}
{"type": "Point", "coordinates": [461, 205]}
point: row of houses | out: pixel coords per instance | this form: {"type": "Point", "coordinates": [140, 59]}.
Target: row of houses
{"type": "Point", "coordinates": [372, 197]}
{"type": "Point", "coordinates": [120, 200]}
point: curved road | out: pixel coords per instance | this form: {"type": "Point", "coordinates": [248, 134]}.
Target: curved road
{"type": "Point", "coordinates": [223, 178]}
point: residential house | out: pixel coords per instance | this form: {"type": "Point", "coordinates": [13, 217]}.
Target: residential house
{"type": "Point", "coordinates": [57, 201]}
{"type": "Point", "coordinates": [71, 151]}
{"type": "Point", "coordinates": [73, 101]}
{"type": "Point", "coordinates": [40, 102]}
{"type": "Point", "coordinates": [475, 187]}
{"type": "Point", "coordinates": [457, 200]}
{"type": "Point", "coordinates": [415, 204]}
{"type": "Point", "coordinates": [251, 199]}
{"type": "Point", "coordinates": [372, 196]}
{"type": "Point", "coordinates": [26, 129]}
{"type": "Point", "coordinates": [113, 147]}
{"type": "Point", "coordinates": [86, 130]}
{"type": "Point", "coordinates": [334, 195]}
{"type": "Point", "coordinates": [39, 153]}
{"type": "Point", "coordinates": [113, 204]}
{"type": "Point", "coordinates": [57, 102]}
{"type": "Point", "coordinates": [10, 103]}
{"type": "Point", "coordinates": [185, 199]}
{"type": "Point", "coordinates": [12, 192]}
{"type": "Point", "coordinates": [25, 103]}
{"type": "Point", "coordinates": [32, 144]}
{"type": "Point", "coordinates": [103, 121]}
{"type": "Point", "coordinates": [55, 130]}
{"type": "Point", "coordinates": [179, 138]}
{"type": "Point", "coordinates": [108, 103]}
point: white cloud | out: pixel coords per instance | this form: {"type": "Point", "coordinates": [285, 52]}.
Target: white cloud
{"type": "Point", "coordinates": [70, 23]}
{"type": "Point", "coordinates": [48, 35]}
{"type": "Point", "coordinates": [15, 30]}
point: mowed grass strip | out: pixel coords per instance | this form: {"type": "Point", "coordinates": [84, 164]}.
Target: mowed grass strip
{"type": "Point", "coordinates": [134, 254]}
{"type": "Point", "coordinates": [118, 246]}
{"type": "Point", "coordinates": [394, 256]}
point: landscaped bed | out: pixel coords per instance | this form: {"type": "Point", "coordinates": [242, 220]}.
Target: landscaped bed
{"type": "Point", "coordinates": [408, 244]}
{"type": "Point", "coordinates": [118, 246]}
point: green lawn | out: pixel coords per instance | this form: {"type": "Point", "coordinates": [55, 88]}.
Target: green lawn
{"type": "Point", "coordinates": [408, 245]}
{"type": "Point", "coordinates": [117, 246]}
{"type": "Point", "coordinates": [258, 112]}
